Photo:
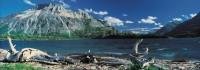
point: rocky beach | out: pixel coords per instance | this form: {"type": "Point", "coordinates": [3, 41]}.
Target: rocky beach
{"type": "Point", "coordinates": [87, 61]}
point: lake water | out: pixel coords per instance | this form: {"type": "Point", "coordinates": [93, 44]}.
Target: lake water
{"type": "Point", "coordinates": [188, 48]}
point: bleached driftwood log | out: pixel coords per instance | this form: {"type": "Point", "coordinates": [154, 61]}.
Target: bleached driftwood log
{"type": "Point", "coordinates": [147, 64]}
{"type": "Point", "coordinates": [139, 56]}
{"type": "Point", "coordinates": [12, 47]}
{"type": "Point", "coordinates": [136, 49]}
{"type": "Point", "coordinates": [3, 54]}
{"type": "Point", "coordinates": [35, 55]}
{"type": "Point", "coordinates": [28, 54]}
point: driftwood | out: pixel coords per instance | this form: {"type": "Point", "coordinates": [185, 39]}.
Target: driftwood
{"type": "Point", "coordinates": [136, 54]}
{"type": "Point", "coordinates": [111, 61]}
{"type": "Point", "coordinates": [35, 55]}
{"type": "Point", "coordinates": [29, 55]}
{"type": "Point", "coordinates": [136, 46]}
{"type": "Point", "coordinates": [26, 54]}
{"type": "Point", "coordinates": [3, 54]}
{"type": "Point", "coordinates": [12, 47]}
{"type": "Point", "coordinates": [139, 57]}
{"type": "Point", "coordinates": [89, 58]}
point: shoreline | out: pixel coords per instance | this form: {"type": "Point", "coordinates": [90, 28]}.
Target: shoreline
{"type": "Point", "coordinates": [63, 39]}
{"type": "Point", "coordinates": [89, 61]}
{"type": "Point", "coordinates": [164, 64]}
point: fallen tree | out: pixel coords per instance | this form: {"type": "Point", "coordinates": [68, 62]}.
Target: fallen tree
{"type": "Point", "coordinates": [28, 55]}
{"type": "Point", "coordinates": [136, 48]}
{"type": "Point", "coordinates": [141, 57]}
{"type": "Point", "coordinates": [35, 55]}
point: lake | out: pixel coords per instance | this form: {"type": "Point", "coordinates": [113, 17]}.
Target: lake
{"type": "Point", "coordinates": [188, 48]}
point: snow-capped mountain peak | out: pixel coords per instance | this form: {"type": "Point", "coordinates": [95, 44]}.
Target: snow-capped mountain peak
{"type": "Point", "coordinates": [52, 18]}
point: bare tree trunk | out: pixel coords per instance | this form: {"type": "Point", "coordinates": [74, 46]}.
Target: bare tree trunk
{"type": "Point", "coordinates": [29, 54]}
{"type": "Point", "coordinates": [12, 47]}
{"type": "Point", "coordinates": [140, 55]}
{"type": "Point", "coordinates": [135, 48]}
{"type": "Point", "coordinates": [146, 50]}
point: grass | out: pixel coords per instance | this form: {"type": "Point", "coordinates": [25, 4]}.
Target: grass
{"type": "Point", "coordinates": [152, 67]}
{"type": "Point", "coordinates": [18, 66]}
{"type": "Point", "coordinates": [136, 65]}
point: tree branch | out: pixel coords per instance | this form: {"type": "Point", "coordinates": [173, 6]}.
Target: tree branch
{"type": "Point", "coordinates": [135, 48]}
{"type": "Point", "coordinates": [12, 47]}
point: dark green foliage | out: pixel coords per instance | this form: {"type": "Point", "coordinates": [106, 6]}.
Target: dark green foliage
{"type": "Point", "coordinates": [88, 32]}
{"type": "Point", "coordinates": [18, 66]}
{"type": "Point", "coordinates": [3, 28]}
{"type": "Point", "coordinates": [152, 67]}
{"type": "Point", "coordinates": [136, 65]}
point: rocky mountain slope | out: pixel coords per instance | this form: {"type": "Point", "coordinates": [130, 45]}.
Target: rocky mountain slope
{"type": "Point", "coordinates": [190, 28]}
{"type": "Point", "coordinates": [54, 19]}
{"type": "Point", "coordinates": [167, 28]}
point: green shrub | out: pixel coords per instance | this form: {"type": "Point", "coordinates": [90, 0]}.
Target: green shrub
{"type": "Point", "coordinates": [136, 65]}
{"type": "Point", "coordinates": [18, 66]}
{"type": "Point", "coordinates": [152, 67]}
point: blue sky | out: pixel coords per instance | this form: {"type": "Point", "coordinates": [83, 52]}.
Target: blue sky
{"type": "Point", "coordinates": [133, 14]}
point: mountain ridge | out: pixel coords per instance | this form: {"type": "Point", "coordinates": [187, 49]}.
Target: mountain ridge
{"type": "Point", "coordinates": [55, 19]}
{"type": "Point", "coordinates": [188, 28]}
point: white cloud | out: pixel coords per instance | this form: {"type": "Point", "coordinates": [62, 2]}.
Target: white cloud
{"type": "Point", "coordinates": [151, 20]}
{"type": "Point", "coordinates": [156, 28]}
{"type": "Point", "coordinates": [125, 15]}
{"type": "Point", "coordinates": [159, 25]}
{"type": "Point", "coordinates": [148, 20]}
{"type": "Point", "coordinates": [64, 4]}
{"type": "Point", "coordinates": [140, 30]}
{"type": "Point", "coordinates": [189, 16]}
{"type": "Point", "coordinates": [185, 16]}
{"type": "Point", "coordinates": [193, 15]}
{"type": "Point", "coordinates": [88, 10]}
{"type": "Point", "coordinates": [112, 21]}
{"type": "Point", "coordinates": [102, 13]}
{"type": "Point", "coordinates": [29, 2]}
{"type": "Point", "coordinates": [128, 21]}
{"type": "Point", "coordinates": [139, 22]}
{"type": "Point", "coordinates": [177, 19]}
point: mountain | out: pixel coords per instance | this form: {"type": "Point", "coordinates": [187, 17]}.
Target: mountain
{"type": "Point", "coordinates": [55, 19]}
{"type": "Point", "coordinates": [167, 28]}
{"type": "Point", "coordinates": [189, 28]}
